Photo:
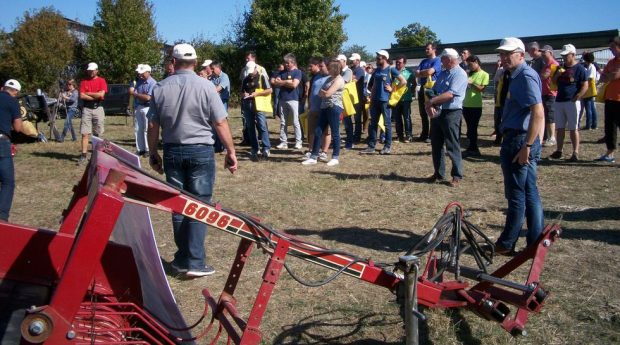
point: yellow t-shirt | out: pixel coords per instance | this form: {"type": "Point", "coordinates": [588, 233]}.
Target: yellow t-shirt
{"type": "Point", "coordinates": [473, 97]}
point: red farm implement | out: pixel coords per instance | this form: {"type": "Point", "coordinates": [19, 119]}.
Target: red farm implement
{"type": "Point", "coordinates": [77, 286]}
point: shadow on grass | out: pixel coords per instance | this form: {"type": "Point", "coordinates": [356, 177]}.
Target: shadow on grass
{"type": "Point", "coordinates": [589, 214]}
{"type": "Point", "coordinates": [57, 155]}
{"type": "Point", "coordinates": [607, 236]}
{"type": "Point", "coordinates": [462, 328]}
{"type": "Point", "coordinates": [388, 177]}
{"type": "Point", "coordinates": [389, 240]}
{"type": "Point", "coordinates": [311, 329]}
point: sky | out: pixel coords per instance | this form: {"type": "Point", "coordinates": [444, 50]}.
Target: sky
{"type": "Point", "coordinates": [369, 23]}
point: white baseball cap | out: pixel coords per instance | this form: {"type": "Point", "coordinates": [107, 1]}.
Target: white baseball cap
{"type": "Point", "coordinates": [355, 56]}
{"type": "Point", "coordinates": [184, 51]}
{"type": "Point", "coordinates": [568, 49]}
{"type": "Point", "coordinates": [14, 84]}
{"type": "Point", "coordinates": [250, 66]}
{"type": "Point", "coordinates": [362, 64]}
{"type": "Point", "coordinates": [207, 63]}
{"type": "Point", "coordinates": [510, 44]}
{"type": "Point", "coordinates": [341, 57]}
{"type": "Point", "coordinates": [383, 53]}
{"type": "Point", "coordinates": [450, 52]}
{"type": "Point", "coordinates": [92, 67]}
{"type": "Point", "coordinates": [143, 68]}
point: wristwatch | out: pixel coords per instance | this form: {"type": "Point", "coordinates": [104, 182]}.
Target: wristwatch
{"type": "Point", "coordinates": [528, 145]}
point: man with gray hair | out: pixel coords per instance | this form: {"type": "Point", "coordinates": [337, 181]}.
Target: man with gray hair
{"type": "Point", "coordinates": [187, 109]}
{"type": "Point", "coordinates": [288, 81]}
{"type": "Point", "coordinates": [522, 123]}
{"type": "Point", "coordinates": [445, 108]}
{"type": "Point", "coordinates": [9, 117]}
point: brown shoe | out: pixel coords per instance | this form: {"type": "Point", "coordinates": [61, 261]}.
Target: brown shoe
{"type": "Point", "coordinates": [455, 182]}
{"type": "Point", "coordinates": [501, 250]}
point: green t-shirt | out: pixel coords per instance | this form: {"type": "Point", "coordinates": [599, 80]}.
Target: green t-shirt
{"type": "Point", "coordinates": [473, 97]}
{"type": "Point", "coordinates": [410, 78]}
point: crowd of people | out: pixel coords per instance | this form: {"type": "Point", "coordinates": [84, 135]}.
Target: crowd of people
{"type": "Point", "coordinates": [535, 104]}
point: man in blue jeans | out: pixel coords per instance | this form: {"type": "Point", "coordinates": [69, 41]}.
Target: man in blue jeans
{"type": "Point", "coordinates": [381, 89]}
{"type": "Point", "coordinates": [187, 109]}
{"type": "Point", "coordinates": [523, 123]}
{"type": "Point", "coordinates": [9, 117]}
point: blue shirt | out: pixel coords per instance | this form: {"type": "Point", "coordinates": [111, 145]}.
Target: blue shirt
{"type": "Point", "coordinates": [430, 63]}
{"type": "Point", "coordinates": [569, 82]}
{"type": "Point", "coordinates": [144, 87]}
{"type": "Point", "coordinates": [9, 111]}
{"type": "Point", "coordinates": [525, 90]}
{"type": "Point", "coordinates": [288, 94]}
{"type": "Point", "coordinates": [223, 81]}
{"type": "Point", "coordinates": [359, 74]}
{"type": "Point", "coordinates": [455, 81]}
{"type": "Point", "coordinates": [380, 78]}
{"type": "Point", "coordinates": [315, 86]}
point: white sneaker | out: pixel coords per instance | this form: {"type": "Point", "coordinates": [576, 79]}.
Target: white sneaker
{"type": "Point", "coordinates": [323, 157]}
{"type": "Point", "coordinates": [332, 162]}
{"type": "Point", "coordinates": [282, 146]}
{"type": "Point", "coordinates": [309, 161]}
{"type": "Point", "coordinates": [298, 146]}
{"type": "Point", "coordinates": [308, 154]}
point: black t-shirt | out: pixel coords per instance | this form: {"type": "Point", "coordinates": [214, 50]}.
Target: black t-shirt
{"type": "Point", "coordinates": [9, 111]}
{"type": "Point", "coordinates": [251, 82]}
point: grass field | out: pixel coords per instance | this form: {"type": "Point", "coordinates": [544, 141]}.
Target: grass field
{"type": "Point", "coordinates": [375, 207]}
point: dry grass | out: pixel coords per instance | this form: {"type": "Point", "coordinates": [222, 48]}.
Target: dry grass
{"type": "Point", "coordinates": [375, 207]}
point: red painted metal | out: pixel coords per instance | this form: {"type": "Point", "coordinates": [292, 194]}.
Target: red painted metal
{"type": "Point", "coordinates": [98, 302]}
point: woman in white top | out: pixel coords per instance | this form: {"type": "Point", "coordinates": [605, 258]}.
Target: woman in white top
{"type": "Point", "coordinates": [331, 108]}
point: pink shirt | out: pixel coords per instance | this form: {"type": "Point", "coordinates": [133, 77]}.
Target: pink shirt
{"type": "Point", "coordinates": [546, 82]}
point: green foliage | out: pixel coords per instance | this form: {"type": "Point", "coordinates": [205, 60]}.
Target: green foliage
{"type": "Point", "coordinates": [123, 36]}
{"type": "Point", "coordinates": [38, 51]}
{"type": "Point", "coordinates": [306, 28]}
{"type": "Point", "coordinates": [356, 48]}
{"type": "Point", "coordinates": [414, 35]}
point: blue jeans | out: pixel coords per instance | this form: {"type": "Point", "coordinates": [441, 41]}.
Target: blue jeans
{"type": "Point", "coordinates": [192, 168]}
{"type": "Point", "coordinates": [69, 124]}
{"type": "Point", "coordinates": [255, 120]}
{"type": "Point", "coordinates": [376, 109]}
{"type": "Point", "coordinates": [7, 179]}
{"type": "Point", "coordinates": [591, 116]}
{"type": "Point", "coordinates": [445, 130]}
{"type": "Point", "coordinates": [520, 191]}
{"type": "Point", "coordinates": [348, 128]}
{"type": "Point", "coordinates": [218, 146]}
{"type": "Point", "coordinates": [329, 116]}
{"type": "Point", "coordinates": [402, 115]}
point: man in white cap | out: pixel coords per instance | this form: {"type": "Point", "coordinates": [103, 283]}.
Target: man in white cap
{"type": "Point", "coordinates": [142, 98]}
{"type": "Point", "coordinates": [92, 92]}
{"type": "Point", "coordinates": [380, 92]}
{"type": "Point", "coordinates": [445, 108]}
{"type": "Point", "coordinates": [523, 121]}
{"type": "Point", "coordinates": [206, 71]}
{"type": "Point", "coordinates": [358, 77]}
{"type": "Point", "coordinates": [255, 84]}
{"type": "Point", "coordinates": [9, 117]}
{"type": "Point", "coordinates": [572, 81]}
{"type": "Point", "coordinates": [187, 109]}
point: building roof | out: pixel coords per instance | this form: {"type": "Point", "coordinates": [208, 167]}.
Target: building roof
{"type": "Point", "coordinates": [593, 40]}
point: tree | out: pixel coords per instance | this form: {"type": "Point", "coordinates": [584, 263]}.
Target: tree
{"type": "Point", "coordinates": [356, 48]}
{"type": "Point", "coordinates": [38, 51]}
{"type": "Point", "coordinates": [414, 35]}
{"type": "Point", "coordinates": [306, 28]}
{"type": "Point", "coordinates": [123, 36]}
